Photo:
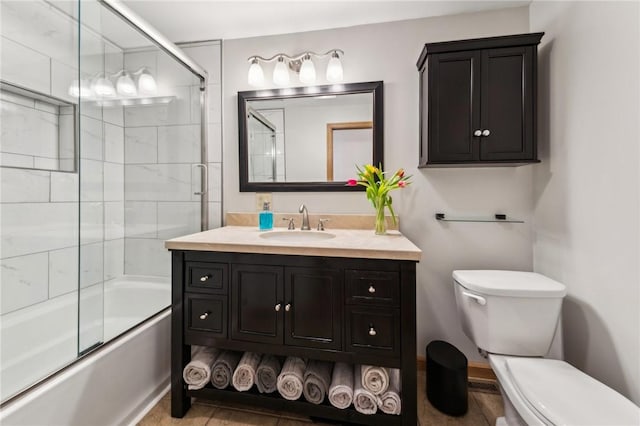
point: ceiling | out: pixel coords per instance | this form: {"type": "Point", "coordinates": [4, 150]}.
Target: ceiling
{"type": "Point", "coordinates": [189, 20]}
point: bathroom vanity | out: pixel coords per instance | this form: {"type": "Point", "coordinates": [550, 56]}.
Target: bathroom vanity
{"type": "Point", "coordinates": [345, 295]}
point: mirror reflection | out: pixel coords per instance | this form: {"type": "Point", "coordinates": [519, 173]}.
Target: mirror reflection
{"type": "Point", "coordinates": [291, 139]}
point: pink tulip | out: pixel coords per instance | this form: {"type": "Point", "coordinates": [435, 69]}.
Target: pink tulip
{"type": "Point", "coordinates": [402, 184]}
{"type": "Point", "coordinates": [352, 182]}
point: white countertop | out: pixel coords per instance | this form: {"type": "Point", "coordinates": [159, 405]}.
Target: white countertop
{"type": "Point", "coordinates": [354, 243]}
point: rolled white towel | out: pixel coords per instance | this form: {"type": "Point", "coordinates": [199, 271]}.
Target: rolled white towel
{"type": "Point", "coordinates": [363, 401]}
{"type": "Point", "coordinates": [291, 378]}
{"type": "Point", "coordinates": [223, 368]}
{"type": "Point", "coordinates": [267, 374]}
{"type": "Point", "coordinates": [390, 401]}
{"type": "Point", "coordinates": [375, 379]}
{"type": "Point", "coordinates": [197, 372]}
{"type": "Point", "coordinates": [341, 389]}
{"type": "Point", "coordinates": [317, 378]}
{"type": "Point", "coordinates": [245, 373]}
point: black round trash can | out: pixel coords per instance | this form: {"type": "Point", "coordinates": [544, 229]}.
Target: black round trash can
{"type": "Point", "coordinates": [447, 378]}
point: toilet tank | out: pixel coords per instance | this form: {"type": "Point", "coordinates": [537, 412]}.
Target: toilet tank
{"type": "Point", "coordinates": [508, 312]}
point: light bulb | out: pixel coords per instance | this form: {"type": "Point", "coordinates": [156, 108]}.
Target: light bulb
{"type": "Point", "coordinates": [147, 84]}
{"type": "Point", "coordinates": [281, 73]}
{"type": "Point", "coordinates": [80, 89]}
{"type": "Point", "coordinates": [307, 70]}
{"type": "Point", "coordinates": [102, 87]}
{"type": "Point", "coordinates": [256, 75]}
{"type": "Point", "coordinates": [334, 69]}
{"type": "Point", "coordinates": [125, 85]}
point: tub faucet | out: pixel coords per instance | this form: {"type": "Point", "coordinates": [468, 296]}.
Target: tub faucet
{"type": "Point", "coordinates": [305, 218]}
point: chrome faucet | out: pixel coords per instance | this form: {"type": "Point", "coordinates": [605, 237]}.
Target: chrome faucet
{"type": "Point", "coordinates": [305, 218]}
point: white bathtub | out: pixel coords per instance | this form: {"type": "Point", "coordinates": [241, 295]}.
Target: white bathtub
{"type": "Point", "coordinates": [112, 385]}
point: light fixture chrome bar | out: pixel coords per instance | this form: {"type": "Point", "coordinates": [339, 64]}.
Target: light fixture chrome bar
{"type": "Point", "coordinates": [295, 57]}
{"type": "Point", "coordinates": [150, 32]}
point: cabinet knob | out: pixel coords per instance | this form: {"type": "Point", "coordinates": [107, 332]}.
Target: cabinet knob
{"type": "Point", "coordinates": [277, 307]}
{"type": "Point", "coordinates": [477, 133]}
{"type": "Point", "coordinates": [372, 331]}
{"type": "Point", "coordinates": [486, 132]}
{"type": "Point", "coordinates": [204, 316]}
{"type": "Point", "coordinates": [204, 278]}
{"type": "Point", "coordinates": [372, 289]}
{"type": "Point", "coordinates": [287, 307]}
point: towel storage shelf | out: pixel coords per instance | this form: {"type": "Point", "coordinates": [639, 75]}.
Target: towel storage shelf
{"type": "Point", "coordinates": [308, 306]}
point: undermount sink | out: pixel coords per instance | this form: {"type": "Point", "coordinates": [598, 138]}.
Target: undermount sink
{"type": "Point", "coordinates": [297, 236]}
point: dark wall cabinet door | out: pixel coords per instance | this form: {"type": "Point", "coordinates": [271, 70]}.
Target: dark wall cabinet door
{"type": "Point", "coordinates": [313, 309]}
{"type": "Point", "coordinates": [257, 303]}
{"type": "Point", "coordinates": [477, 101]}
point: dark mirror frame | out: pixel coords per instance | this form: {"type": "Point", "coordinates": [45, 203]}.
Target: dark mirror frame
{"type": "Point", "coordinates": [374, 87]}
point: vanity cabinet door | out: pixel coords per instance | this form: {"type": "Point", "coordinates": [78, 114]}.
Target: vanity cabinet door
{"type": "Point", "coordinates": [313, 308]}
{"type": "Point", "coordinates": [257, 303]}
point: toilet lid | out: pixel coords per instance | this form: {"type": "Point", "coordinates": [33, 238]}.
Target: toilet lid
{"type": "Point", "coordinates": [509, 283]}
{"type": "Point", "coordinates": [564, 395]}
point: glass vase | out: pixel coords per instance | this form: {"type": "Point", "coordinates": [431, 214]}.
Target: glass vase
{"type": "Point", "coordinates": [381, 223]}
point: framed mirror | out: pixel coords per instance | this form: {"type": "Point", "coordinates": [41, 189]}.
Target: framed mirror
{"type": "Point", "coordinates": [309, 138]}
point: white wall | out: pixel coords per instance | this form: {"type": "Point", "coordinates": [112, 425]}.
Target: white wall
{"type": "Point", "coordinates": [389, 52]}
{"type": "Point", "coordinates": [586, 199]}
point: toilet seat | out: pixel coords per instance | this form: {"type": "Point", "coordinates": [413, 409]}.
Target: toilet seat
{"type": "Point", "coordinates": [560, 394]}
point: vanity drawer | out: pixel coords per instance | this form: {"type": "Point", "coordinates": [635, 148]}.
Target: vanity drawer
{"type": "Point", "coordinates": [373, 330]}
{"type": "Point", "coordinates": [372, 287]}
{"type": "Point", "coordinates": [206, 314]}
{"type": "Point", "coordinates": [204, 277]}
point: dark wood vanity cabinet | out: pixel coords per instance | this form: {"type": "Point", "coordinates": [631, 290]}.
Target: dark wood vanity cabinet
{"type": "Point", "coordinates": [360, 311]}
{"type": "Point", "coordinates": [478, 101]}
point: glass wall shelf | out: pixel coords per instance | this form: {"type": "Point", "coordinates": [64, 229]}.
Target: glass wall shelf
{"type": "Point", "coordinates": [496, 218]}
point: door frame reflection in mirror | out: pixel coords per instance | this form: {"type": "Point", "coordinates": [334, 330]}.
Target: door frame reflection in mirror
{"type": "Point", "coordinates": [374, 87]}
{"type": "Point", "coordinates": [345, 127]}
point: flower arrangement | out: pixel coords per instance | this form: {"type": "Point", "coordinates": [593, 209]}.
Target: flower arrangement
{"type": "Point", "coordinates": [378, 187]}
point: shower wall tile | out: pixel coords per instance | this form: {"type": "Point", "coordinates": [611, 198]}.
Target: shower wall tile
{"type": "Point", "coordinates": [24, 281]}
{"type": "Point", "coordinates": [215, 178]}
{"type": "Point", "coordinates": [114, 115]}
{"type": "Point", "coordinates": [63, 271]}
{"type": "Point", "coordinates": [159, 182]}
{"type": "Point", "coordinates": [146, 257]}
{"type": "Point", "coordinates": [64, 186]}
{"type": "Point", "coordinates": [215, 215]}
{"type": "Point", "coordinates": [24, 67]}
{"type": "Point", "coordinates": [175, 112]}
{"type": "Point", "coordinates": [91, 316]}
{"type": "Point", "coordinates": [113, 143]}
{"type": "Point", "coordinates": [214, 148]}
{"type": "Point", "coordinates": [23, 186]}
{"type": "Point", "coordinates": [16, 160]}
{"type": "Point", "coordinates": [179, 144]}
{"type": "Point", "coordinates": [176, 219]}
{"type": "Point", "coordinates": [91, 137]}
{"type": "Point", "coordinates": [91, 222]}
{"type": "Point", "coordinates": [113, 182]}
{"type": "Point", "coordinates": [113, 59]}
{"type": "Point", "coordinates": [141, 219]}
{"type": "Point", "coordinates": [91, 264]}
{"type": "Point", "coordinates": [141, 145]}
{"type": "Point", "coordinates": [36, 227]}
{"type": "Point", "coordinates": [113, 259]}
{"type": "Point", "coordinates": [214, 103]}
{"type": "Point", "coordinates": [196, 115]}
{"type": "Point", "coordinates": [28, 131]}
{"type": "Point", "coordinates": [171, 74]}
{"type": "Point", "coordinates": [46, 163]}
{"type": "Point", "coordinates": [91, 182]}
{"type": "Point", "coordinates": [113, 220]}
{"type": "Point", "coordinates": [17, 99]}
{"type": "Point", "coordinates": [62, 76]}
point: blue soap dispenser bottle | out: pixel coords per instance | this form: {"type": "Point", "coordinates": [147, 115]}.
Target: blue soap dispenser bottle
{"type": "Point", "coordinates": [265, 218]}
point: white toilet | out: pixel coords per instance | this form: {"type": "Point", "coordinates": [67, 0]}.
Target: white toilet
{"type": "Point", "coordinates": [513, 317]}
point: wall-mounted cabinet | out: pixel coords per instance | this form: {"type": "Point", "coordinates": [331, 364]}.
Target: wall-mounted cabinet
{"type": "Point", "coordinates": [478, 101]}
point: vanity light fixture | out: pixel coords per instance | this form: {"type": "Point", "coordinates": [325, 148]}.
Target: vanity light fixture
{"type": "Point", "coordinates": [125, 85]}
{"type": "Point", "coordinates": [302, 64]}
{"type": "Point", "coordinates": [147, 85]}
{"type": "Point", "coordinates": [102, 87]}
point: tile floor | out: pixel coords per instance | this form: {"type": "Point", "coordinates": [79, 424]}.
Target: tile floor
{"type": "Point", "coordinates": [483, 410]}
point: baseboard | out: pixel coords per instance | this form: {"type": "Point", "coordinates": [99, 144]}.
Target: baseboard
{"type": "Point", "coordinates": [476, 371]}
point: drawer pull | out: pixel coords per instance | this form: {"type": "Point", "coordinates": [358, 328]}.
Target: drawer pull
{"type": "Point", "coordinates": [372, 331]}
{"type": "Point", "coordinates": [278, 306]}
{"type": "Point", "coordinates": [204, 278]}
{"type": "Point", "coordinates": [287, 307]}
{"type": "Point", "coordinates": [486, 132]}
{"type": "Point", "coordinates": [204, 316]}
{"type": "Point", "coordinates": [372, 289]}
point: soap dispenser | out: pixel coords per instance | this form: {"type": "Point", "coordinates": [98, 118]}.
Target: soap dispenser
{"type": "Point", "coordinates": [265, 218]}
